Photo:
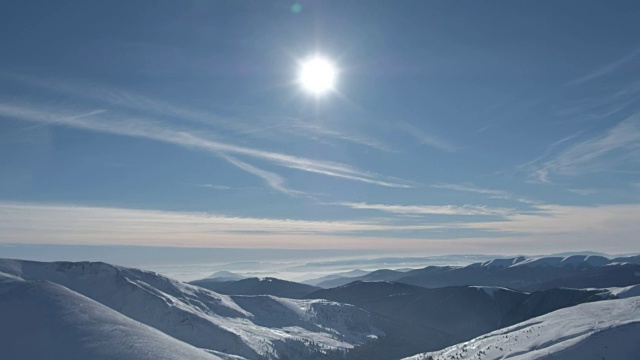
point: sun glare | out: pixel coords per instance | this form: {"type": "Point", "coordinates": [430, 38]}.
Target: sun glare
{"type": "Point", "coordinates": [317, 75]}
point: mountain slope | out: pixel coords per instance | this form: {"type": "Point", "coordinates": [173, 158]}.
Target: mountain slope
{"type": "Point", "coordinates": [521, 273]}
{"type": "Point", "coordinates": [378, 275]}
{"type": "Point", "coordinates": [258, 286]}
{"type": "Point", "coordinates": [458, 313]}
{"type": "Point", "coordinates": [595, 331]}
{"type": "Point", "coordinates": [42, 320]}
{"type": "Point", "coordinates": [204, 318]}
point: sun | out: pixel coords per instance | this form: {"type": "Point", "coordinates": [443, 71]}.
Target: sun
{"type": "Point", "coordinates": [317, 75]}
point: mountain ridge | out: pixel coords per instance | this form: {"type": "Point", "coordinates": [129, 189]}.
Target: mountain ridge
{"type": "Point", "coordinates": [522, 273]}
{"type": "Point", "coordinates": [258, 286]}
{"type": "Point", "coordinates": [203, 318]}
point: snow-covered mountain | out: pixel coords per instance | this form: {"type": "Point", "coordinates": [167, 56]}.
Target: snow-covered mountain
{"type": "Point", "coordinates": [96, 310]}
{"type": "Point", "coordinates": [258, 286]}
{"type": "Point", "coordinates": [340, 275]}
{"type": "Point", "coordinates": [625, 292]}
{"type": "Point", "coordinates": [40, 320]}
{"type": "Point", "coordinates": [594, 331]}
{"type": "Point", "coordinates": [459, 313]}
{"type": "Point", "coordinates": [223, 275]}
{"type": "Point", "coordinates": [254, 328]}
{"type": "Point", "coordinates": [377, 275]}
{"type": "Point", "coordinates": [522, 273]}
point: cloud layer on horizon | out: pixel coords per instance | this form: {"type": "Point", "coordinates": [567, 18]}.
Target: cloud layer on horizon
{"type": "Point", "coordinates": [68, 224]}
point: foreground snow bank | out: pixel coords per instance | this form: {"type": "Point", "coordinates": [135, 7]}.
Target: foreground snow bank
{"type": "Point", "coordinates": [601, 330]}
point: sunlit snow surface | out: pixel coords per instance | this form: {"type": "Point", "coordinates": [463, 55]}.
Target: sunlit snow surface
{"type": "Point", "coordinates": [43, 320]}
{"type": "Point", "coordinates": [625, 292]}
{"type": "Point", "coordinates": [261, 327]}
{"type": "Point", "coordinates": [602, 330]}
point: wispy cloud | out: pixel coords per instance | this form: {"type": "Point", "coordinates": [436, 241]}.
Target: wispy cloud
{"type": "Point", "coordinates": [29, 222]}
{"type": "Point", "coordinates": [610, 151]}
{"type": "Point", "coordinates": [554, 228]}
{"type": "Point", "coordinates": [472, 188]}
{"type": "Point", "coordinates": [597, 104]}
{"type": "Point", "coordinates": [260, 126]}
{"type": "Point", "coordinates": [99, 120]}
{"type": "Point", "coordinates": [492, 193]}
{"type": "Point", "coordinates": [431, 209]}
{"type": "Point", "coordinates": [607, 69]}
{"type": "Point", "coordinates": [298, 127]}
{"type": "Point", "coordinates": [426, 139]}
{"type": "Point", "coordinates": [563, 140]}
{"type": "Point", "coordinates": [575, 221]}
{"type": "Point", "coordinates": [126, 100]}
{"type": "Point", "coordinates": [215, 187]}
{"type": "Point", "coordinates": [274, 180]}
{"type": "Point", "coordinates": [583, 192]}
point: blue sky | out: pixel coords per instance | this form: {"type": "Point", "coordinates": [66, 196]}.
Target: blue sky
{"type": "Point", "coordinates": [454, 127]}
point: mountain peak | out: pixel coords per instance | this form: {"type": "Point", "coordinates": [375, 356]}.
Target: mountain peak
{"type": "Point", "coordinates": [225, 276]}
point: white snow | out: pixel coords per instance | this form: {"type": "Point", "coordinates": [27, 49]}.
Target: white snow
{"type": "Point", "coordinates": [625, 292]}
{"type": "Point", "coordinates": [562, 261]}
{"type": "Point", "coordinates": [594, 331]}
{"type": "Point", "coordinates": [43, 320]}
{"type": "Point", "coordinates": [205, 319]}
{"type": "Point", "coordinates": [546, 261]}
{"type": "Point", "coordinates": [503, 263]}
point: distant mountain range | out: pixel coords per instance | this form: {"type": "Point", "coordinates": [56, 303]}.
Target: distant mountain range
{"type": "Point", "coordinates": [461, 302]}
{"type": "Point", "coordinates": [257, 286]}
{"type": "Point", "coordinates": [341, 275]}
{"type": "Point", "coordinates": [521, 273]}
{"type": "Point", "coordinates": [89, 310]}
